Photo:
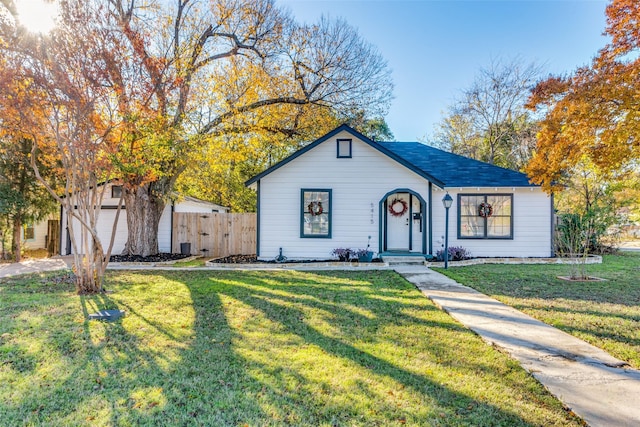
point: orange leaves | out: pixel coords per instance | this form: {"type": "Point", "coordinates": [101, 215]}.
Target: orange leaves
{"type": "Point", "coordinates": [623, 25]}
{"type": "Point", "coordinates": [595, 113]}
{"type": "Point", "coordinates": [546, 91]}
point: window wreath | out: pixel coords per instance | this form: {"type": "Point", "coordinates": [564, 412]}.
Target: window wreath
{"type": "Point", "coordinates": [485, 210]}
{"type": "Point", "coordinates": [398, 207]}
{"type": "Point", "coordinates": [315, 208]}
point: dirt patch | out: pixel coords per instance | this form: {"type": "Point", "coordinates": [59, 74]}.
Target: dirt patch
{"type": "Point", "coordinates": [162, 257]}
{"type": "Point", "coordinates": [581, 279]}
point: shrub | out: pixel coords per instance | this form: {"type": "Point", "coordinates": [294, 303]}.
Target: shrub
{"type": "Point", "coordinates": [455, 254]}
{"type": "Point", "coordinates": [360, 252]}
{"type": "Point", "coordinates": [344, 254]}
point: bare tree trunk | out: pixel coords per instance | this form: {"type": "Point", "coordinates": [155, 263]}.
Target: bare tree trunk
{"type": "Point", "coordinates": [144, 210]}
{"type": "Point", "coordinates": [16, 245]}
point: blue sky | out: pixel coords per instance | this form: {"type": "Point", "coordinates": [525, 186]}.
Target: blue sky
{"type": "Point", "coordinates": [435, 48]}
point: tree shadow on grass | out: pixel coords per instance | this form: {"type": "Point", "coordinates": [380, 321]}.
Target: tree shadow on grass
{"type": "Point", "coordinates": [312, 327]}
{"type": "Point", "coordinates": [140, 370]}
{"type": "Point", "coordinates": [203, 348]}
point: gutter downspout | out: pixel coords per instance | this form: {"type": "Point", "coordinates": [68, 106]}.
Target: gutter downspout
{"type": "Point", "coordinates": [60, 232]}
{"type": "Point", "coordinates": [553, 226]}
{"type": "Point", "coordinates": [173, 208]}
{"type": "Point", "coordinates": [258, 219]}
{"type": "Point", "coordinates": [429, 219]}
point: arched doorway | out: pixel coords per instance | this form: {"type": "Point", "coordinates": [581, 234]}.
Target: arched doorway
{"type": "Point", "coordinates": [402, 219]}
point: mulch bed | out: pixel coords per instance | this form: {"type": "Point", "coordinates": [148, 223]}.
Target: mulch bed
{"type": "Point", "coordinates": [161, 257]}
{"type": "Point", "coordinates": [236, 259]}
{"type": "Point", "coordinates": [232, 259]}
{"type": "Point", "coordinates": [252, 259]}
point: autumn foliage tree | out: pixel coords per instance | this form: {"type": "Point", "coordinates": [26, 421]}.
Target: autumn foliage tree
{"type": "Point", "coordinates": [191, 74]}
{"type": "Point", "coordinates": [227, 161]}
{"type": "Point", "coordinates": [66, 108]}
{"type": "Point", "coordinates": [22, 199]}
{"type": "Point", "coordinates": [593, 115]}
{"type": "Point", "coordinates": [170, 80]}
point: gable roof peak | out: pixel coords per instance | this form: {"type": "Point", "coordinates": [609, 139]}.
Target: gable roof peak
{"type": "Point", "coordinates": [346, 128]}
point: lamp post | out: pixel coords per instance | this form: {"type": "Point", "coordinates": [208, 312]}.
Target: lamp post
{"type": "Point", "coordinates": [447, 201]}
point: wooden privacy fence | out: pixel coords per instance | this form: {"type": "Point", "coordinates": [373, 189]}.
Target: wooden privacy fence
{"type": "Point", "coordinates": [52, 241]}
{"type": "Point", "coordinates": [215, 234]}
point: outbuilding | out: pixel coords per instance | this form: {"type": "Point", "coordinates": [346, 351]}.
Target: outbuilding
{"type": "Point", "coordinates": [108, 214]}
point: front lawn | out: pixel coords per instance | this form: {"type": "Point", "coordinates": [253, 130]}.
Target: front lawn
{"type": "Point", "coordinates": [605, 314]}
{"type": "Point", "coordinates": [252, 348]}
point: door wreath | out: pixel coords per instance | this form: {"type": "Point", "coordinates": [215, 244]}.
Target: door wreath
{"type": "Point", "coordinates": [398, 207]}
{"type": "Point", "coordinates": [485, 210]}
{"type": "Point", "coordinates": [315, 208]}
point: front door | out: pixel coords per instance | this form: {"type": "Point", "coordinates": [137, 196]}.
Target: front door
{"type": "Point", "coordinates": [398, 222]}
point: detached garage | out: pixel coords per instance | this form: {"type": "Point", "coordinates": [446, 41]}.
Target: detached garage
{"type": "Point", "coordinates": [108, 215]}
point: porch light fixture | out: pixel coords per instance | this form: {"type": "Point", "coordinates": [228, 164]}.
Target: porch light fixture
{"type": "Point", "coordinates": [447, 201]}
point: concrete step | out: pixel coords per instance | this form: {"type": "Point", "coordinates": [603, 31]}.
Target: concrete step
{"type": "Point", "coordinates": [403, 260]}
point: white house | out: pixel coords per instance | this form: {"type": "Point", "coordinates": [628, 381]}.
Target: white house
{"type": "Point", "coordinates": [344, 187]}
{"type": "Point", "coordinates": [35, 235]}
{"type": "Point", "coordinates": [108, 213]}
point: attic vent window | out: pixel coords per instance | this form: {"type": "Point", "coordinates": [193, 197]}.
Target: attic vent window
{"type": "Point", "coordinates": [344, 148]}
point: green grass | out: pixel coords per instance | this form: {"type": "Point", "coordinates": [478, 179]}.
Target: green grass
{"type": "Point", "coordinates": [198, 262]}
{"type": "Point", "coordinates": [605, 314]}
{"type": "Point", "coordinates": [253, 348]}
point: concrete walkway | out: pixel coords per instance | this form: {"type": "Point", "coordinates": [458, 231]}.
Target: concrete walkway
{"type": "Point", "coordinates": [592, 383]}
{"type": "Point", "coordinates": [36, 265]}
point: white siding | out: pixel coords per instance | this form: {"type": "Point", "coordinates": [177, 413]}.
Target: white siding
{"type": "Point", "coordinates": [40, 230]}
{"type": "Point", "coordinates": [358, 184]}
{"type": "Point", "coordinates": [164, 230]}
{"type": "Point", "coordinates": [107, 217]}
{"type": "Point", "coordinates": [105, 226]}
{"type": "Point", "coordinates": [198, 206]}
{"type": "Point", "coordinates": [531, 224]}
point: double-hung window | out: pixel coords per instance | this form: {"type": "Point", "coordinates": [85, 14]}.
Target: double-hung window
{"type": "Point", "coordinates": [29, 232]}
{"type": "Point", "coordinates": [485, 216]}
{"type": "Point", "coordinates": [315, 212]}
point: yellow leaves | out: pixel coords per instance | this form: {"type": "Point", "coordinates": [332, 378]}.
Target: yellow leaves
{"type": "Point", "coordinates": [148, 398]}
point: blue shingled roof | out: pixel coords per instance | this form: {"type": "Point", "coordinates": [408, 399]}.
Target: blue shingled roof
{"type": "Point", "coordinates": [454, 170]}
{"type": "Point", "coordinates": [442, 168]}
